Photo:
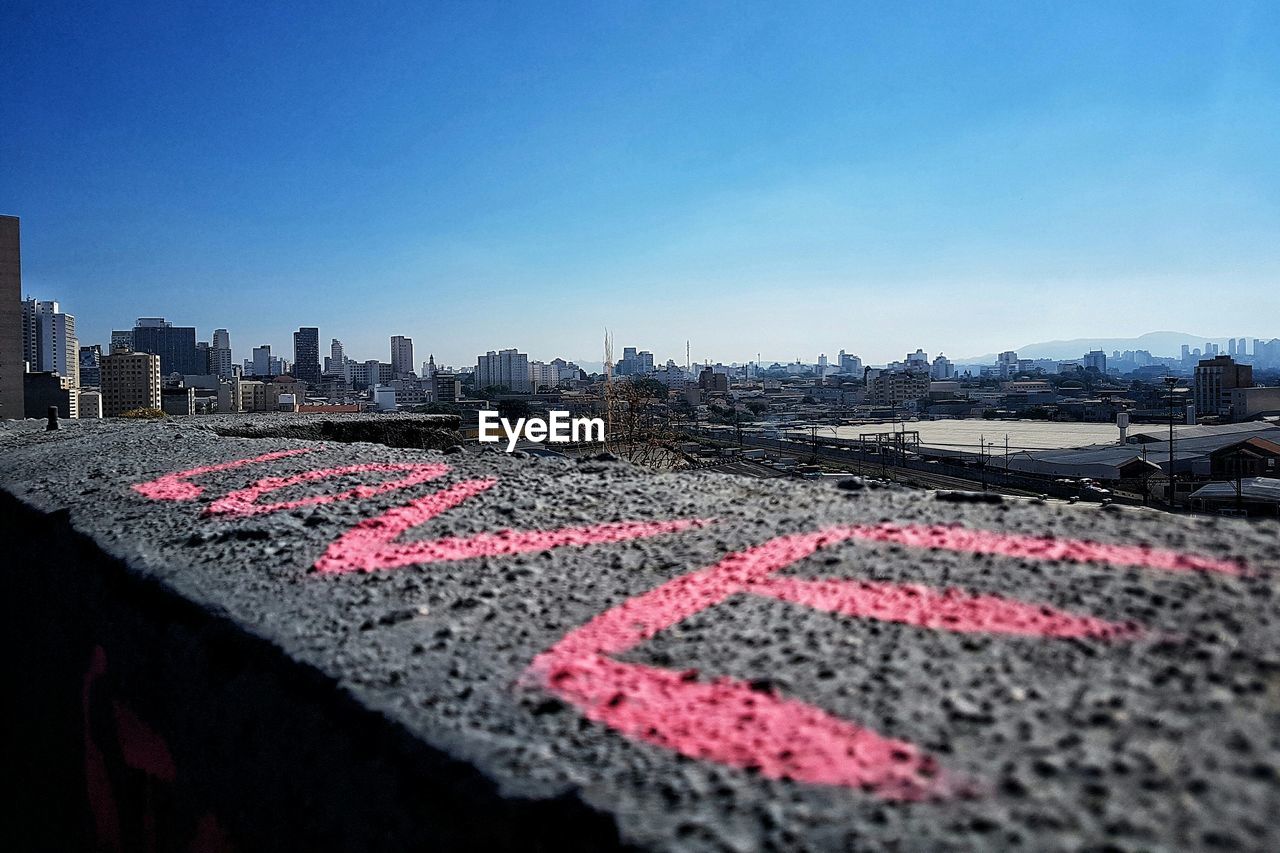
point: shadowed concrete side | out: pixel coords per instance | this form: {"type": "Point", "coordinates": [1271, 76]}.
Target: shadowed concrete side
{"type": "Point", "coordinates": [144, 719]}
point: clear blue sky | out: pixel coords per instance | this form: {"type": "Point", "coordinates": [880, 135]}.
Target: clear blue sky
{"type": "Point", "coordinates": [788, 178]}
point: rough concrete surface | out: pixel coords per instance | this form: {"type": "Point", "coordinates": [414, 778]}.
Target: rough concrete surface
{"type": "Point", "coordinates": [1126, 706]}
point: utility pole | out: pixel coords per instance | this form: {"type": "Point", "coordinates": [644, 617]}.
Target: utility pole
{"type": "Point", "coordinates": [1146, 478]}
{"type": "Point", "coordinates": [1239, 485]}
{"type": "Point", "coordinates": [982, 459]}
{"type": "Point", "coordinates": [1171, 383]}
{"type": "Point", "coordinates": [608, 389]}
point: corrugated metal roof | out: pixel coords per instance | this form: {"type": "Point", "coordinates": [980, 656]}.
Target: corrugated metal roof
{"type": "Point", "coordinates": [1256, 488]}
{"type": "Point", "coordinates": [1191, 431]}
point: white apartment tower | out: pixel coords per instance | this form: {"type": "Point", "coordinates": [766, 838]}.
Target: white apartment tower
{"type": "Point", "coordinates": [49, 341]}
{"type": "Point", "coordinates": [503, 368]}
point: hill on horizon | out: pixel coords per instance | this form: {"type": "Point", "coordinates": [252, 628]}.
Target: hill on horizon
{"type": "Point", "coordinates": [1159, 344]}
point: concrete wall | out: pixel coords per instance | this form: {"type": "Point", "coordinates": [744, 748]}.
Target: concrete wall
{"type": "Point", "coordinates": [146, 719]}
{"type": "Point", "coordinates": [282, 643]}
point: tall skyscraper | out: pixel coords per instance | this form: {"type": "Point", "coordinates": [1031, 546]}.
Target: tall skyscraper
{"type": "Point", "coordinates": [262, 360]}
{"type": "Point", "coordinates": [336, 363]}
{"type": "Point", "coordinates": [204, 351]}
{"type": "Point", "coordinates": [11, 360]}
{"type": "Point", "coordinates": [220, 354]}
{"type": "Point", "coordinates": [176, 346]}
{"type": "Point", "coordinates": [401, 356]}
{"type": "Point", "coordinates": [121, 340]}
{"type": "Point", "coordinates": [91, 366]}
{"type": "Point", "coordinates": [306, 355]}
{"type": "Point", "coordinates": [49, 340]}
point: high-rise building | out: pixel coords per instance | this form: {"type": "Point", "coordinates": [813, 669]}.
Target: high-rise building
{"type": "Point", "coordinates": [306, 355]}
{"type": "Point", "coordinates": [505, 368]}
{"type": "Point", "coordinates": [176, 346]}
{"type": "Point", "coordinates": [220, 363]}
{"type": "Point", "coordinates": [850, 364]}
{"type": "Point", "coordinates": [1215, 379]}
{"type": "Point", "coordinates": [262, 360]}
{"type": "Point", "coordinates": [91, 366]}
{"type": "Point", "coordinates": [121, 340]}
{"type": "Point", "coordinates": [918, 361]}
{"type": "Point", "coordinates": [542, 374]}
{"type": "Point", "coordinates": [447, 388]}
{"type": "Point", "coordinates": [11, 357]}
{"type": "Point", "coordinates": [634, 363]}
{"type": "Point", "coordinates": [401, 356]}
{"type": "Point", "coordinates": [336, 363]}
{"type": "Point", "coordinates": [1096, 360]}
{"type": "Point", "coordinates": [942, 368]}
{"type": "Point", "coordinates": [49, 340]}
{"type": "Point", "coordinates": [130, 380]}
{"type": "Point", "coordinates": [1007, 364]}
{"type": "Point", "coordinates": [31, 332]}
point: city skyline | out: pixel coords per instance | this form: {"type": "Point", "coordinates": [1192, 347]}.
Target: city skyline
{"type": "Point", "coordinates": [475, 177]}
{"type": "Point", "coordinates": [1168, 344]}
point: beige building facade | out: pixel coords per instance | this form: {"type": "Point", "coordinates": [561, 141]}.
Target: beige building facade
{"type": "Point", "coordinates": [130, 380]}
{"type": "Point", "coordinates": [12, 364]}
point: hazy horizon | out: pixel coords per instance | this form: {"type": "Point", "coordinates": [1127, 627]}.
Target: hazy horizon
{"type": "Point", "coordinates": [775, 180]}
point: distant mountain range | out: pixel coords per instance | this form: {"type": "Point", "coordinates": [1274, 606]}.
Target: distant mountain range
{"type": "Point", "coordinates": [1159, 344]}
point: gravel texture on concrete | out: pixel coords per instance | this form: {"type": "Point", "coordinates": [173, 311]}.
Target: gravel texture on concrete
{"type": "Point", "coordinates": [421, 432]}
{"type": "Point", "coordinates": [1158, 730]}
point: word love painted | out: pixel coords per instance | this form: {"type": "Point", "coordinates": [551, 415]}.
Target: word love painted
{"type": "Point", "coordinates": [721, 719]}
{"type": "Point", "coordinates": [731, 722]}
{"type": "Point", "coordinates": [372, 544]}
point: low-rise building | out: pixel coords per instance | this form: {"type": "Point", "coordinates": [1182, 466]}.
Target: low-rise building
{"type": "Point", "coordinates": [1247, 403]}
{"type": "Point", "coordinates": [896, 388]}
{"type": "Point", "coordinates": [89, 402]}
{"type": "Point", "coordinates": [178, 401]}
